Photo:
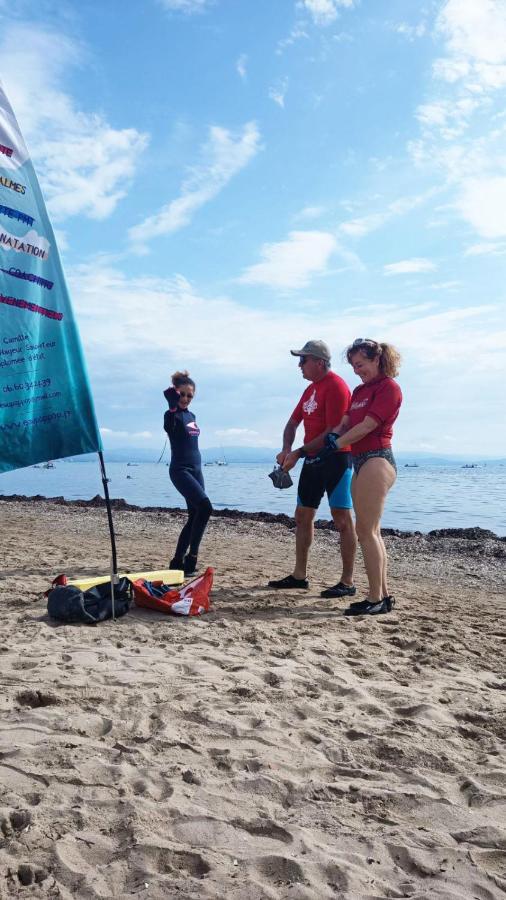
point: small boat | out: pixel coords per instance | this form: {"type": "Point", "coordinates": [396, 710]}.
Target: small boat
{"type": "Point", "coordinates": [48, 465]}
{"type": "Point", "coordinates": [411, 466]}
{"type": "Point", "coordinates": [470, 466]}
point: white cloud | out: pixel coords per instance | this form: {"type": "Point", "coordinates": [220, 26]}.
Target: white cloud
{"type": "Point", "coordinates": [445, 285]}
{"type": "Point", "coordinates": [446, 346]}
{"type": "Point", "coordinates": [241, 65]}
{"type": "Point", "coordinates": [125, 435]}
{"type": "Point", "coordinates": [296, 34]}
{"type": "Point", "coordinates": [414, 266]}
{"type": "Point", "coordinates": [462, 132]}
{"type": "Point", "coordinates": [482, 203]}
{"type": "Point", "coordinates": [486, 249]}
{"type": "Point", "coordinates": [103, 294]}
{"type": "Point", "coordinates": [364, 225]}
{"type": "Point", "coordinates": [309, 213]}
{"type": "Point", "coordinates": [223, 156]}
{"type": "Point", "coordinates": [185, 6]}
{"type": "Point", "coordinates": [411, 32]}
{"type": "Point", "coordinates": [290, 264]}
{"type": "Point", "coordinates": [324, 12]}
{"type": "Point", "coordinates": [278, 92]}
{"type": "Point", "coordinates": [85, 164]}
{"type": "Point", "coordinates": [475, 30]}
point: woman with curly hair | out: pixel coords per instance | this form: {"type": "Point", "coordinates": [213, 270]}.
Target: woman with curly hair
{"type": "Point", "coordinates": [186, 470]}
{"type": "Point", "coordinates": [368, 427]}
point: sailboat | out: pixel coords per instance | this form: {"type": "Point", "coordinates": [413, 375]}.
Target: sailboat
{"type": "Point", "coordinates": [222, 462]}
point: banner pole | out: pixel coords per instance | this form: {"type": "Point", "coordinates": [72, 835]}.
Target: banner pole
{"type": "Point", "coordinates": [114, 562]}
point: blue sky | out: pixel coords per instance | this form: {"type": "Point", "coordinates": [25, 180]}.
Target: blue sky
{"type": "Point", "coordinates": [228, 179]}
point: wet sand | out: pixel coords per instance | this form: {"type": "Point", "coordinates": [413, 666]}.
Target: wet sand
{"type": "Point", "coordinates": [271, 749]}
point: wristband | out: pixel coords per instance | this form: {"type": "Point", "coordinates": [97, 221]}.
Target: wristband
{"type": "Point", "coordinates": [302, 453]}
{"type": "Point", "coordinates": [331, 440]}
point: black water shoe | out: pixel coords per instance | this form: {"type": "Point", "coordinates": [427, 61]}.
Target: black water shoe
{"type": "Point", "coordinates": [362, 603]}
{"type": "Point", "coordinates": [340, 590]}
{"type": "Point", "coordinates": [288, 583]}
{"type": "Point", "coordinates": [366, 608]}
{"type": "Point", "coordinates": [190, 564]}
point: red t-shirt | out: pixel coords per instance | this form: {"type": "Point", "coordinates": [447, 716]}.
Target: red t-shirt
{"type": "Point", "coordinates": [381, 399]}
{"type": "Point", "coordinates": [322, 405]}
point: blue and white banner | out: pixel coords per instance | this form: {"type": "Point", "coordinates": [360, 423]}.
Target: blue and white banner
{"type": "Point", "coordinates": [46, 408]}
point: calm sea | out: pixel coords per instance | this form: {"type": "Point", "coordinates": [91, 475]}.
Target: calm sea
{"type": "Point", "coordinates": [423, 498]}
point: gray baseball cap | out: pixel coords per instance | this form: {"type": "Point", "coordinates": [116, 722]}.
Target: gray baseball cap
{"type": "Point", "coordinates": [318, 349]}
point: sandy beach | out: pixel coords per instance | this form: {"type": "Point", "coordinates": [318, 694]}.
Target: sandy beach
{"type": "Point", "coordinates": [271, 749]}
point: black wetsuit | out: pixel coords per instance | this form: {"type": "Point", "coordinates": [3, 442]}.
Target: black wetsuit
{"type": "Point", "coordinates": [186, 473]}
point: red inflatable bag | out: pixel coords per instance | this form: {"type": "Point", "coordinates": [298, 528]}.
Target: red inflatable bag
{"type": "Point", "coordinates": [191, 600]}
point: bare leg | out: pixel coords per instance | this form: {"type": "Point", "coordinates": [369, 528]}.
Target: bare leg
{"type": "Point", "coordinates": [384, 582]}
{"type": "Point", "coordinates": [370, 488]}
{"type": "Point", "coordinates": [343, 522]}
{"type": "Point", "coordinates": [304, 520]}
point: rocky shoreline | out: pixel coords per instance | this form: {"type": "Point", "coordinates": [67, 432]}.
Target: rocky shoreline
{"type": "Point", "coordinates": [475, 534]}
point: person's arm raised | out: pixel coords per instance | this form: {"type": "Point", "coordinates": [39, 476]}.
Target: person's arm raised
{"type": "Point", "coordinates": [172, 396]}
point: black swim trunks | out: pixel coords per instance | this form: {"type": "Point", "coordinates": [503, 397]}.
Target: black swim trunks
{"type": "Point", "coordinates": [330, 474]}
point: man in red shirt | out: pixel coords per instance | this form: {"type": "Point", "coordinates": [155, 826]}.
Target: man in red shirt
{"type": "Point", "coordinates": [322, 404]}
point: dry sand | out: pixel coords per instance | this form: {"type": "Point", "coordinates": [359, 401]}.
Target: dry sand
{"type": "Point", "coordinates": [272, 749]}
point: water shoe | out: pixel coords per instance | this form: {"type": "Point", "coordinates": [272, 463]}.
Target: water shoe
{"type": "Point", "coordinates": [190, 564]}
{"type": "Point", "coordinates": [340, 590]}
{"type": "Point", "coordinates": [366, 608]}
{"type": "Point", "coordinates": [362, 603]}
{"type": "Point", "coordinates": [288, 583]}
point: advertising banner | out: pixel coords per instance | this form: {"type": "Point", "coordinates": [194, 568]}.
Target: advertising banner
{"type": "Point", "coordinates": [46, 408]}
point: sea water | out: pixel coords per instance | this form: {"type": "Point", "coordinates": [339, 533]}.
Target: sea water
{"type": "Point", "coordinates": [423, 497]}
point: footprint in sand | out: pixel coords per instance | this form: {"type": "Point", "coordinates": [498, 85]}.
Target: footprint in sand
{"type": "Point", "coordinates": [337, 880]}
{"type": "Point", "coordinates": [15, 821]}
{"type": "Point", "coordinates": [28, 874]}
{"type": "Point", "coordinates": [272, 679]}
{"type": "Point", "coordinates": [168, 861]}
{"type": "Point", "coordinates": [36, 699]}
{"type": "Point", "coordinates": [280, 870]}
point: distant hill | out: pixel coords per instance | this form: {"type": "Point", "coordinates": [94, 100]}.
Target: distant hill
{"type": "Point", "coordinates": [268, 454]}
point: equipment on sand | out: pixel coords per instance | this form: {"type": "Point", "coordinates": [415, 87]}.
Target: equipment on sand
{"type": "Point", "coordinates": [169, 576]}
{"type": "Point", "coordinates": [66, 603]}
{"type": "Point", "coordinates": [191, 600]}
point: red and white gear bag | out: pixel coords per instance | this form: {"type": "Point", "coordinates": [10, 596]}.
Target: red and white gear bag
{"type": "Point", "coordinates": [191, 600]}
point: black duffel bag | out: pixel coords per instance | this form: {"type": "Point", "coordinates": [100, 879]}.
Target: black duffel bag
{"type": "Point", "coordinates": [66, 603]}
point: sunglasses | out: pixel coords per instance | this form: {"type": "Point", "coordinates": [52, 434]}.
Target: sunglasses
{"type": "Point", "coordinates": [184, 394]}
{"type": "Point", "coordinates": [359, 341]}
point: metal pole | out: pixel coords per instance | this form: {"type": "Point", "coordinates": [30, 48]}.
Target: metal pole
{"type": "Point", "coordinates": [114, 562]}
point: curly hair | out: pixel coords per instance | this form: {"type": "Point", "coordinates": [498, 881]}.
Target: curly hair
{"type": "Point", "coordinates": [180, 378]}
{"type": "Point", "coordinates": [388, 356]}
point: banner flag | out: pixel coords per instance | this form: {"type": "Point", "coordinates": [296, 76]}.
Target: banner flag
{"type": "Point", "coordinates": [46, 407]}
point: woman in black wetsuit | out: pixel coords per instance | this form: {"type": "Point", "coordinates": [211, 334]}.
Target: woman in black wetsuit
{"type": "Point", "coordinates": [186, 470]}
